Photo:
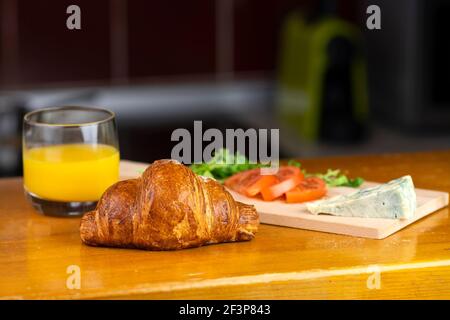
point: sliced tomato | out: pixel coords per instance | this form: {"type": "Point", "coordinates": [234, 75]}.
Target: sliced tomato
{"type": "Point", "coordinates": [262, 183]}
{"type": "Point", "coordinates": [286, 172]}
{"type": "Point", "coordinates": [309, 189]}
{"type": "Point", "coordinates": [250, 182]}
{"type": "Point", "coordinates": [288, 178]}
{"type": "Point", "coordinates": [240, 181]}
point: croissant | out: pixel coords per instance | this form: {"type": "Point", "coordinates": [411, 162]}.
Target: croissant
{"type": "Point", "coordinates": [169, 207]}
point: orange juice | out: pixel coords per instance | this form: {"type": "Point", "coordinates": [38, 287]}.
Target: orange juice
{"type": "Point", "coordinates": [71, 172]}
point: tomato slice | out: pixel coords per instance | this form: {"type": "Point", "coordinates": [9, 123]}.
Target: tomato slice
{"type": "Point", "coordinates": [262, 183]}
{"type": "Point", "coordinates": [240, 181]}
{"type": "Point", "coordinates": [285, 172]}
{"type": "Point", "coordinates": [288, 178]}
{"type": "Point", "coordinates": [312, 188]}
{"type": "Point", "coordinates": [250, 182]}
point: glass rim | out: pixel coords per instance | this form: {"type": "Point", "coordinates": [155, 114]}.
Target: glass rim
{"type": "Point", "coordinates": [110, 115]}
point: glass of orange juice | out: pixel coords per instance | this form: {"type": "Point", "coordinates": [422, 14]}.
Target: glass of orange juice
{"type": "Point", "coordinates": [70, 157]}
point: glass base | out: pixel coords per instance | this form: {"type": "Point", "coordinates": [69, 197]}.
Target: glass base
{"type": "Point", "coordinates": [60, 208]}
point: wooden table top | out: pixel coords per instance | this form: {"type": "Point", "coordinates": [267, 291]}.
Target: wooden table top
{"type": "Point", "coordinates": [36, 253]}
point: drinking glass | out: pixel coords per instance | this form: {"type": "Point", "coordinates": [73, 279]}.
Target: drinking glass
{"type": "Point", "coordinates": [70, 157]}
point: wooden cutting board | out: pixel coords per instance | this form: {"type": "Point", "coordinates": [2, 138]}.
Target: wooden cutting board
{"type": "Point", "coordinates": [297, 216]}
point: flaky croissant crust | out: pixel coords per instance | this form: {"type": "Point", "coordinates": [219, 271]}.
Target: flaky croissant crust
{"type": "Point", "coordinates": [168, 208]}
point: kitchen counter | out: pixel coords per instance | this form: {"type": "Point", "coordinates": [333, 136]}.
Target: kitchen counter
{"type": "Point", "coordinates": [36, 253]}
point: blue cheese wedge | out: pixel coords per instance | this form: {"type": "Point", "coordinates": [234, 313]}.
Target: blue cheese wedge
{"type": "Point", "coordinates": [393, 200]}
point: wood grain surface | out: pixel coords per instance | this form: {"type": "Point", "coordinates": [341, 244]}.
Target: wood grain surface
{"type": "Point", "coordinates": [36, 251]}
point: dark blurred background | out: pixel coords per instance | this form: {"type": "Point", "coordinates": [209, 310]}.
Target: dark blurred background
{"type": "Point", "coordinates": [311, 68]}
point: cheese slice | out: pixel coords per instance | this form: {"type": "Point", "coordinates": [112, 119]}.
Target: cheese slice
{"type": "Point", "coordinates": [393, 200]}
